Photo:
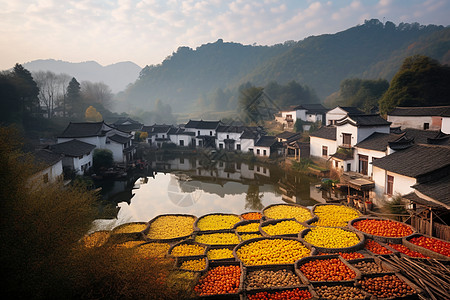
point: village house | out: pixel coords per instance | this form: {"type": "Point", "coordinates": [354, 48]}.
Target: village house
{"type": "Point", "coordinates": [205, 132]}
{"type": "Point", "coordinates": [311, 113]}
{"type": "Point", "coordinates": [266, 145]}
{"type": "Point", "coordinates": [128, 125]}
{"type": "Point", "coordinates": [340, 112]}
{"type": "Point", "coordinates": [292, 146]}
{"type": "Point", "coordinates": [419, 117]}
{"type": "Point", "coordinates": [181, 137]}
{"type": "Point", "coordinates": [49, 165]}
{"type": "Point", "coordinates": [229, 137]}
{"type": "Point", "coordinates": [77, 155]}
{"type": "Point", "coordinates": [102, 136]}
{"type": "Point", "coordinates": [158, 134]}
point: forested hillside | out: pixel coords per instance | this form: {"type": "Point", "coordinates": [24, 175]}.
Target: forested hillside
{"type": "Point", "coordinates": [370, 51]}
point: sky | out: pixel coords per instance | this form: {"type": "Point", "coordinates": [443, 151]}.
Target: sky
{"type": "Point", "coordinates": [147, 31]}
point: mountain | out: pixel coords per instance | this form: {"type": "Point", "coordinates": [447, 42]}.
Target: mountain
{"type": "Point", "coordinates": [116, 76]}
{"type": "Point", "coordinates": [370, 51]}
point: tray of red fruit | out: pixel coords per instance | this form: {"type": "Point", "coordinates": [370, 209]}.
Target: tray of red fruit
{"type": "Point", "coordinates": [429, 246]}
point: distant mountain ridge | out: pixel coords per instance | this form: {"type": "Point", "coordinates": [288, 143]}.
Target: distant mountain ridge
{"type": "Point", "coordinates": [370, 51]}
{"type": "Point", "coordinates": [117, 76]}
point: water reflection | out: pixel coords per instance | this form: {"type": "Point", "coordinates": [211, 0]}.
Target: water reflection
{"type": "Point", "coordinates": [195, 185]}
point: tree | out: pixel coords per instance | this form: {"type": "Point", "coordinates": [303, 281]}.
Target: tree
{"type": "Point", "coordinates": [421, 81]}
{"type": "Point", "coordinates": [96, 93]}
{"type": "Point", "coordinates": [249, 99]}
{"type": "Point", "coordinates": [92, 115]}
{"type": "Point", "coordinates": [102, 159]}
{"type": "Point", "coordinates": [362, 93]}
{"type": "Point", "coordinates": [52, 89]}
{"type": "Point", "coordinates": [74, 97]}
{"type": "Point", "coordinates": [28, 92]}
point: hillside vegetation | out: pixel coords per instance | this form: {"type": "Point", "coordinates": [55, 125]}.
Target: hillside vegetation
{"type": "Point", "coordinates": [189, 79]}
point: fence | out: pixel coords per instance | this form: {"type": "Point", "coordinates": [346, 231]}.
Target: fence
{"type": "Point", "coordinates": [439, 230]}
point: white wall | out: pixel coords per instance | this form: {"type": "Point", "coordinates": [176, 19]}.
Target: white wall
{"type": "Point", "coordinates": [346, 128]}
{"type": "Point", "coordinates": [402, 184]}
{"type": "Point", "coordinates": [316, 144]}
{"type": "Point", "coordinates": [410, 121]}
{"type": "Point", "coordinates": [371, 154]}
{"type": "Point", "coordinates": [445, 127]}
{"type": "Point", "coordinates": [261, 151]}
{"type": "Point", "coordinates": [117, 150]}
{"type": "Point", "coordinates": [247, 144]}
{"type": "Point", "coordinates": [78, 163]}
{"type": "Point", "coordinates": [335, 114]}
{"type": "Point", "coordinates": [221, 136]}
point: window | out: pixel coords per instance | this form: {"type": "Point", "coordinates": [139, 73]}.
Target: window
{"type": "Point", "coordinates": [347, 139]}
{"type": "Point", "coordinates": [210, 133]}
{"type": "Point", "coordinates": [181, 160]}
{"type": "Point", "coordinates": [265, 152]}
{"type": "Point", "coordinates": [426, 126]}
{"type": "Point", "coordinates": [228, 136]}
{"type": "Point", "coordinates": [238, 146]}
{"type": "Point", "coordinates": [289, 117]}
{"type": "Point", "coordinates": [45, 178]}
{"type": "Point", "coordinates": [336, 164]}
{"type": "Point", "coordinates": [349, 167]}
{"type": "Point", "coordinates": [324, 151]}
{"type": "Point", "coordinates": [181, 142]}
{"type": "Point", "coordinates": [390, 185]}
{"type": "Point", "coordinates": [250, 150]}
{"type": "Point", "coordinates": [257, 152]}
{"type": "Point", "coordinates": [363, 164]}
{"type": "Point", "coordinates": [198, 132]}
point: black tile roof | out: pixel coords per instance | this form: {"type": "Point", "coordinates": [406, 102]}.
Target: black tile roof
{"type": "Point", "coordinates": [44, 158]}
{"type": "Point", "coordinates": [179, 131]}
{"type": "Point", "coordinates": [157, 128]}
{"type": "Point", "coordinates": [325, 132]}
{"type": "Point", "coordinates": [351, 110]}
{"type": "Point", "coordinates": [416, 160]}
{"type": "Point", "coordinates": [84, 129]}
{"type": "Point", "coordinates": [122, 121]}
{"type": "Point", "coordinates": [364, 120]}
{"type": "Point", "coordinates": [378, 141]}
{"type": "Point", "coordinates": [202, 124]}
{"type": "Point", "coordinates": [266, 141]}
{"type": "Point", "coordinates": [439, 190]}
{"type": "Point", "coordinates": [72, 148]}
{"type": "Point", "coordinates": [119, 139]}
{"type": "Point", "coordinates": [421, 111]}
{"type": "Point", "coordinates": [230, 128]}
{"type": "Point", "coordinates": [312, 108]}
{"type": "Point", "coordinates": [421, 136]}
{"type": "Point", "coordinates": [128, 127]}
{"type": "Point", "coordinates": [287, 135]}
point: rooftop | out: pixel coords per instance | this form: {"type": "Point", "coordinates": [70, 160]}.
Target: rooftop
{"type": "Point", "coordinates": [266, 141]}
{"type": "Point", "coordinates": [364, 120]}
{"type": "Point", "coordinates": [119, 139]}
{"type": "Point", "coordinates": [44, 158]}
{"type": "Point", "coordinates": [437, 190]}
{"type": "Point", "coordinates": [72, 148]}
{"type": "Point", "coordinates": [202, 124]}
{"type": "Point", "coordinates": [416, 160]}
{"type": "Point", "coordinates": [83, 129]}
{"type": "Point", "coordinates": [325, 132]}
{"type": "Point", "coordinates": [378, 141]}
{"type": "Point", "coordinates": [421, 111]}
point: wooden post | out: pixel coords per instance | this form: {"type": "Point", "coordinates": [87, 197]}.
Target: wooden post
{"type": "Point", "coordinates": [431, 221]}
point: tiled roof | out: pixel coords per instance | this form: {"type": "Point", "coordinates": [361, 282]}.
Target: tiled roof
{"type": "Point", "coordinates": [312, 108]}
{"type": "Point", "coordinates": [44, 158]}
{"type": "Point", "coordinates": [325, 132]}
{"type": "Point", "coordinates": [286, 134]}
{"type": "Point", "coordinates": [72, 148]}
{"type": "Point", "coordinates": [122, 121]}
{"type": "Point", "coordinates": [266, 141]}
{"type": "Point", "coordinates": [84, 129]}
{"type": "Point", "coordinates": [421, 111]}
{"type": "Point", "coordinates": [439, 190]}
{"type": "Point", "coordinates": [421, 136]}
{"type": "Point", "coordinates": [119, 139]}
{"type": "Point", "coordinates": [202, 124]}
{"type": "Point", "coordinates": [156, 128]}
{"type": "Point", "coordinates": [378, 141]}
{"type": "Point", "coordinates": [415, 161]}
{"type": "Point", "coordinates": [179, 131]}
{"type": "Point", "coordinates": [128, 127]}
{"type": "Point", "coordinates": [352, 110]}
{"type": "Point", "coordinates": [365, 120]}
{"type": "Point", "coordinates": [230, 128]}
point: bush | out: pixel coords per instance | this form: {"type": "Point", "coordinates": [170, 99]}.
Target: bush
{"type": "Point", "coordinates": [103, 159]}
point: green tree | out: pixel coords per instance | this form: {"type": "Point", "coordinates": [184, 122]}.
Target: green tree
{"type": "Point", "coordinates": [362, 93]}
{"type": "Point", "coordinates": [421, 81]}
{"type": "Point", "coordinates": [103, 159]}
{"type": "Point", "coordinates": [73, 97]}
{"type": "Point", "coordinates": [249, 99]}
{"type": "Point", "coordinates": [28, 90]}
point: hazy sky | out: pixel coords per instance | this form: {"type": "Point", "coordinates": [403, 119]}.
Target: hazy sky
{"type": "Point", "coordinates": [147, 31]}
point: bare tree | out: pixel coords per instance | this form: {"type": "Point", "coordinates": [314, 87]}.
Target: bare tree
{"type": "Point", "coordinates": [96, 93]}
{"type": "Point", "coordinates": [51, 90]}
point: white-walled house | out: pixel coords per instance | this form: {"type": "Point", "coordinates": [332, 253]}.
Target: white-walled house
{"type": "Point", "coordinates": [50, 168]}
{"type": "Point", "coordinates": [205, 132]}
{"type": "Point", "coordinates": [229, 137]}
{"type": "Point", "coordinates": [305, 112]}
{"type": "Point", "coordinates": [103, 136]}
{"type": "Point", "coordinates": [340, 112]}
{"type": "Point", "coordinates": [77, 155]}
{"type": "Point", "coordinates": [427, 118]}
{"type": "Point", "coordinates": [401, 170]}
{"type": "Point", "coordinates": [323, 142]}
{"type": "Point", "coordinates": [181, 137]}
{"type": "Point", "coordinates": [265, 146]}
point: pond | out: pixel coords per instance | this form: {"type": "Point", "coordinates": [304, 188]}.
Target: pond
{"type": "Point", "coordinates": [198, 185]}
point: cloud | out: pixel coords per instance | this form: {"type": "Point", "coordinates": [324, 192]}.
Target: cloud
{"type": "Point", "coordinates": [146, 31]}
